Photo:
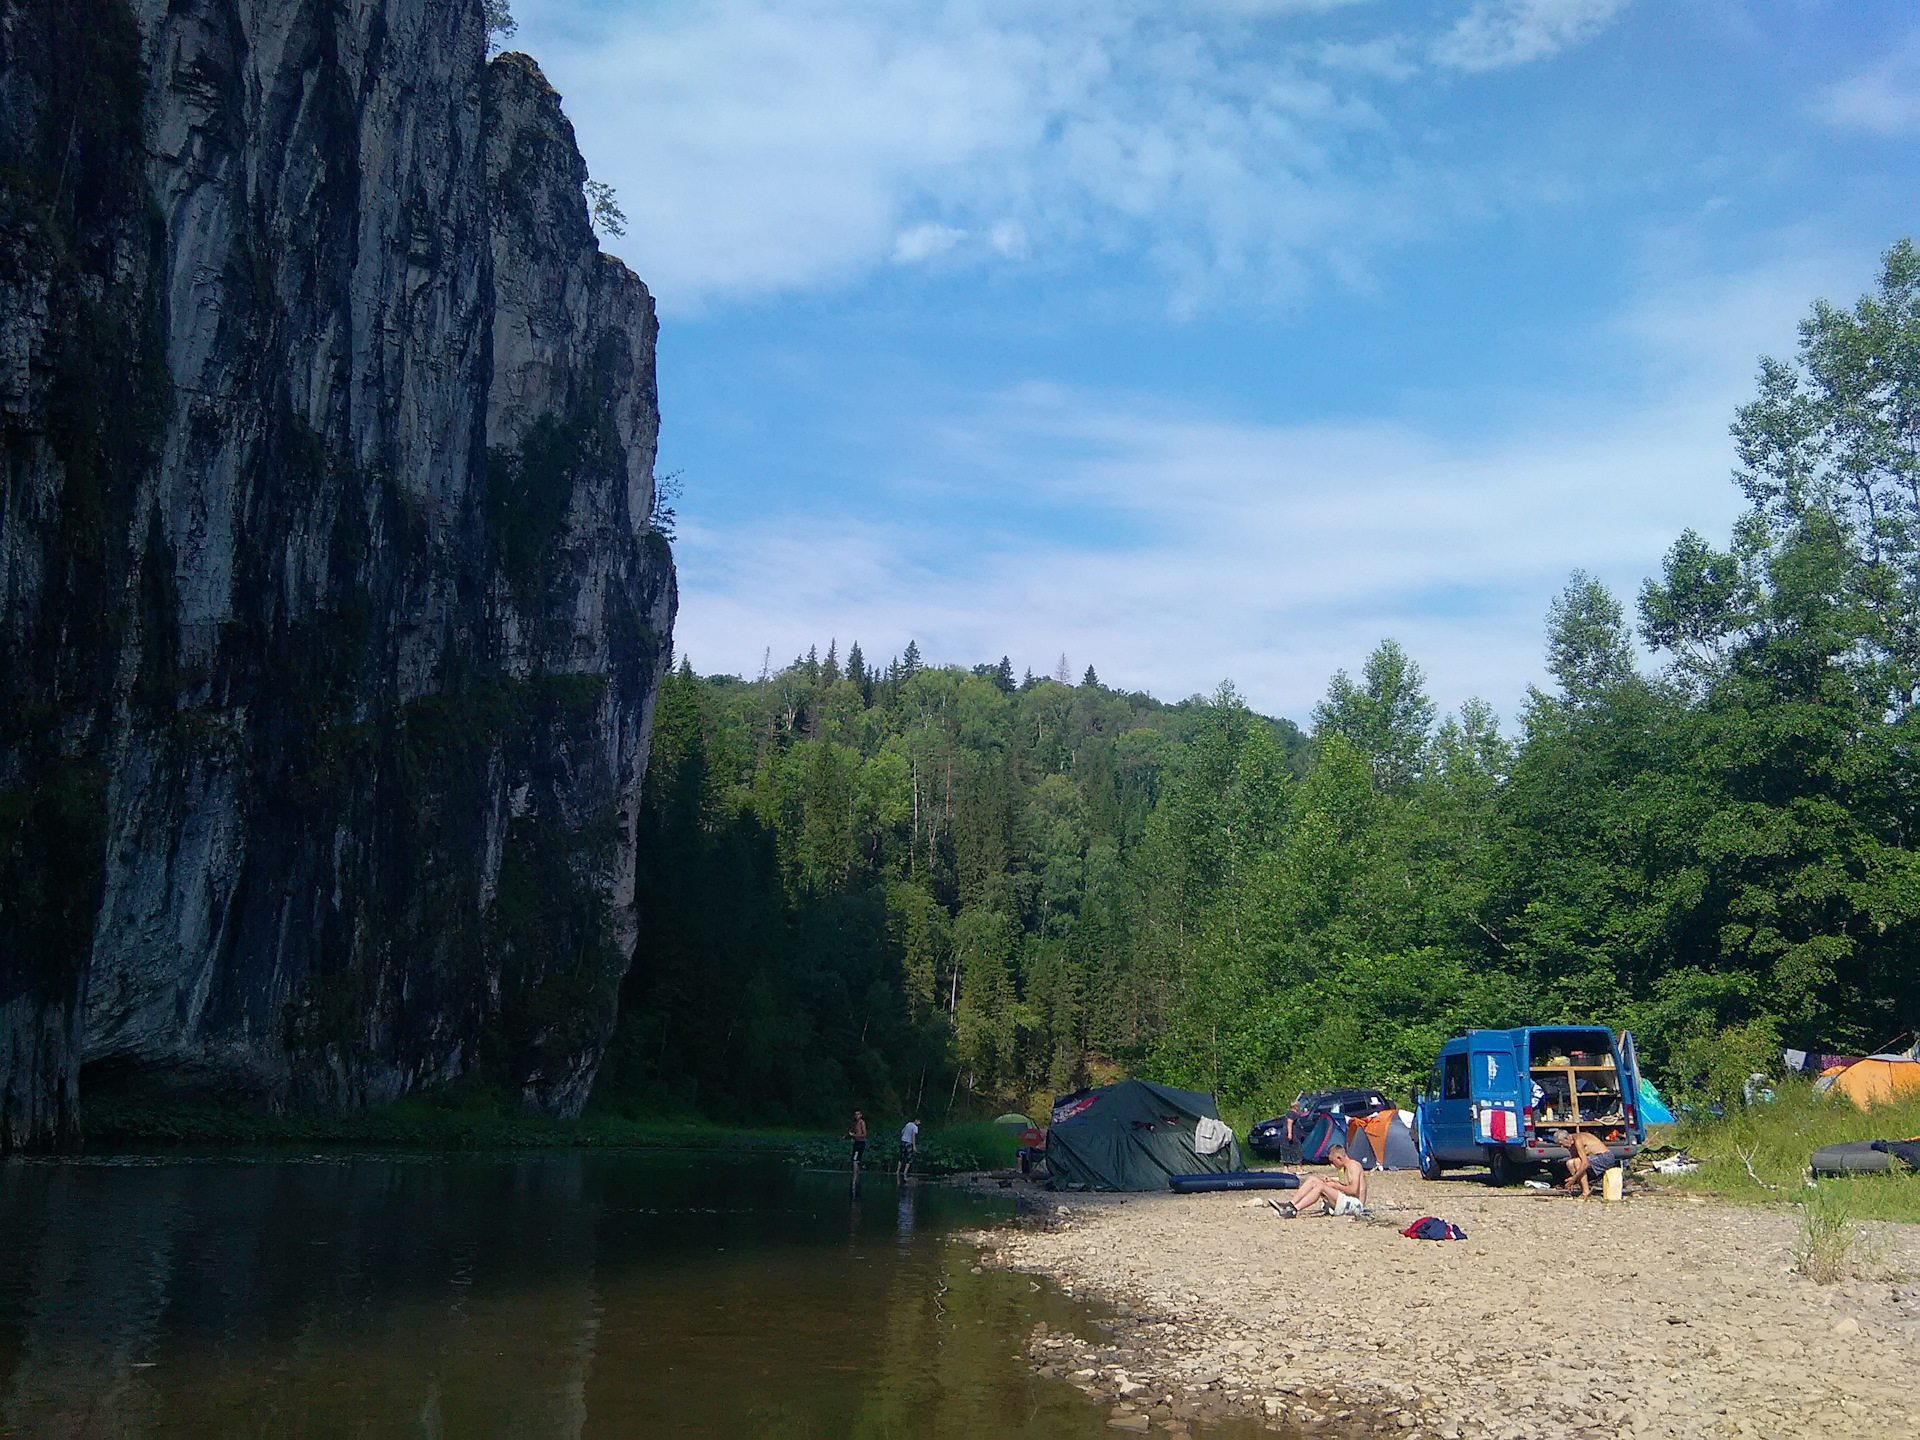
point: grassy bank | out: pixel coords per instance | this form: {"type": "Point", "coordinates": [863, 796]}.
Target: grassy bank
{"type": "Point", "coordinates": [422, 1122]}
{"type": "Point", "coordinates": [474, 1120]}
{"type": "Point", "coordinates": [943, 1150]}
{"type": "Point", "coordinates": [1760, 1153]}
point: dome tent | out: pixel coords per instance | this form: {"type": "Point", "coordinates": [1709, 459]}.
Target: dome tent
{"type": "Point", "coordinates": [1131, 1135]}
{"type": "Point", "coordinates": [1879, 1080]}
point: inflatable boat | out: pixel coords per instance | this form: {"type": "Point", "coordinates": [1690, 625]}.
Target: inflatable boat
{"type": "Point", "coordinates": [1233, 1180]}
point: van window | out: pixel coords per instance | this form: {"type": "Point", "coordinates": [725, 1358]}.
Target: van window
{"type": "Point", "coordinates": [1453, 1080]}
{"type": "Point", "coordinates": [1493, 1071]}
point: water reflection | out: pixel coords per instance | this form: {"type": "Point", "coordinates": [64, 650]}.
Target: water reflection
{"type": "Point", "coordinates": [568, 1295]}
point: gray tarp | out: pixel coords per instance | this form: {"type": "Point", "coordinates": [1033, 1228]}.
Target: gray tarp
{"type": "Point", "coordinates": [1130, 1136]}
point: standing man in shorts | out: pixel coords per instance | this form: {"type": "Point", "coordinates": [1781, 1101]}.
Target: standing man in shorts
{"type": "Point", "coordinates": [857, 1134]}
{"type": "Point", "coordinates": [1345, 1194]}
{"type": "Point", "coordinates": [909, 1144]}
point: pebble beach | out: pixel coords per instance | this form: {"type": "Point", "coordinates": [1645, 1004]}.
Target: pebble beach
{"type": "Point", "coordinates": [1663, 1315]}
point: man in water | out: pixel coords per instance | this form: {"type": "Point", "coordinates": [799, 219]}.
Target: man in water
{"type": "Point", "coordinates": [1588, 1156]}
{"type": "Point", "coordinates": [858, 1134]}
{"type": "Point", "coordinates": [909, 1143]}
{"type": "Point", "coordinates": [1345, 1194]}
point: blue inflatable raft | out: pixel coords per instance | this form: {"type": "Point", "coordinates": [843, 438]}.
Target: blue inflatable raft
{"type": "Point", "coordinates": [1233, 1180]}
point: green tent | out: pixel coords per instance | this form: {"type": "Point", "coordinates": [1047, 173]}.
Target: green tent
{"type": "Point", "coordinates": [1012, 1119]}
{"type": "Point", "coordinates": [1130, 1136]}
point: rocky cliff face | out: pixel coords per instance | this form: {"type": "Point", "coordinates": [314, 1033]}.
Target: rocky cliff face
{"type": "Point", "coordinates": [330, 613]}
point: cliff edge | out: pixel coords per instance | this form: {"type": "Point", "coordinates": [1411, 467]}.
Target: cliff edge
{"type": "Point", "coordinates": [331, 615]}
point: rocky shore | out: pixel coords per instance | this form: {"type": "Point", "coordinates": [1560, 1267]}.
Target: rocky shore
{"type": "Point", "coordinates": [1665, 1315]}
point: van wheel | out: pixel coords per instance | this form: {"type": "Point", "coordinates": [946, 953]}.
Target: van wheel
{"type": "Point", "coordinates": [1502, 1170]}
{"type": "Point", "coordinates": [1430, 1168]}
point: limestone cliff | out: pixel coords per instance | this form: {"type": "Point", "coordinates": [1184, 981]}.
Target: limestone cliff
{"type": "Point", "coordinates": [330, 611]}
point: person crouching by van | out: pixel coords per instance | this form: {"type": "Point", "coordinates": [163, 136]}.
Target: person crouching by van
{"type": "Point", "coordinates": [1588, 1156]}
{"type": "Point", "coordinates": [1345, 1194]}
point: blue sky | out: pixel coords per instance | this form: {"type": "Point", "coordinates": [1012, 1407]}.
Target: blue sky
{"type": "Point", "coordinates": [1218, 339]}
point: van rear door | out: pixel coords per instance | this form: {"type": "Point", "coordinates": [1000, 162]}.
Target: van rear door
{"type": "Point", "coordinates": [1630, 1082]}
{"type": "Point", "coordinates": [1495, 1076]}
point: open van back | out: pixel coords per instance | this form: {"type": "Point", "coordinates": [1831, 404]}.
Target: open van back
{"type": "Point", "coordinates": [1498, 1093]}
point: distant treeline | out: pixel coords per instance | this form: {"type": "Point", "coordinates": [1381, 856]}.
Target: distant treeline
{"type": "Point", "coordinates": [931, 887]}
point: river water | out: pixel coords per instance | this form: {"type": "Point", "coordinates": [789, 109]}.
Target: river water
{"type": "Point", "coordinates": [575, 1294]}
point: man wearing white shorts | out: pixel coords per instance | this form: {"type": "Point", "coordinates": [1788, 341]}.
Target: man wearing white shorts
{"type": "Point", "coordinates": [1345, 1194]}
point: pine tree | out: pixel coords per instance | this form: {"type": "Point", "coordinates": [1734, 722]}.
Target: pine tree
{"type": "Point", "coordinates": [910, 662]}
{"type": "Point", "coordinates": [831, 672]}
{"type": "Point", "coordinates": [1003, 676]}
{"type": "Point", "coordinates": [1090, 681]}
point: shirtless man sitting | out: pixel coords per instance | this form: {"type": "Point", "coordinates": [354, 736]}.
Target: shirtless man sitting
{"type": "Point", "coordinates": [1588, 1156]}
{"type": "Point", "coordinates": [1345, 1194]}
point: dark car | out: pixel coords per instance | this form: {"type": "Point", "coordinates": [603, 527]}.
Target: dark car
{"type": "Point", "coordinates": [1280, 1137]}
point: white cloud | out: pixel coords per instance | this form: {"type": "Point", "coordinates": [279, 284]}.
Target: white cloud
{"type": "Point", "coordinates": [1271, 554]}
{"type": "Point", "coordinates": [923, 242]}
{"type": "Point", "coordinates": [768, 145]}
{"type": "Point", "coordinates": [1495, 34]}
{"type": "Point", "coordinates": [1171, 549]}
{"type": "Point", "coordinates": [1883, 101]}
{"type": "Point", "coordinates": [1009, 237]}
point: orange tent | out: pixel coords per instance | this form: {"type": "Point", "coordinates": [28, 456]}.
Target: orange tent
{"type": "Point", "coordinates": [1878, 1082]}
{"type": "Point", "coordinates": [1376, 1127]}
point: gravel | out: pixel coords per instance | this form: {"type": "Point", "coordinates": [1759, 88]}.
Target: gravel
{"type": "Point", "coordinates": [1657, 1316]}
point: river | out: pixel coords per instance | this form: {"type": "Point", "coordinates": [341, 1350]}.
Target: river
{"type": "Point", "coordinates": [566, 1295]}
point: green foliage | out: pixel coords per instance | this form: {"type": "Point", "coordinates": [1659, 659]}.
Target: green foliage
{"type": "Point", "coordinates": [1713, 1067]}
{"type": "Point", "coordinates": [1831, 1245]}
{"type": "Point", "coordinates": [1031, 886]}
{"type": "Point", "coordinates": [529, 489]}
{"type": "Point", "coordinates": [1760, 1153]}
{"type": "Point", "coordinates": [52, 838]}
{"type": "Point", "coordinates": [901, 887]}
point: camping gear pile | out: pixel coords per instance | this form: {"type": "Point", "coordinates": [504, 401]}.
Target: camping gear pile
{"type": "Point", "coordinates": [1134, 1135]}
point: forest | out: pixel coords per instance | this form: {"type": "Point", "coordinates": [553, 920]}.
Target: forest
{"type": "Point", "coordinates": [950, 890]}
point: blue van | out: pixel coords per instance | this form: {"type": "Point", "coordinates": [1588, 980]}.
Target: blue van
{"type": "Point", "coordinates": [1495, 1094]}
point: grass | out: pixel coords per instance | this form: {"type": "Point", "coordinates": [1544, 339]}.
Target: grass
{"type": "Point", "coordinates": [946, 1150]}
{"type": "Point", "coordinates": [467, 1118]}
{"type": "Point", "coordinates": [462, 1121]}
{"type": "Point", "coordinates": [1833, 1245]}
{"type": "Point", "coordinates": [1759, 1154]}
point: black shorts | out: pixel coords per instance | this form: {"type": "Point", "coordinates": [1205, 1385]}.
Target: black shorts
{"type": "Point", "coordinates": [906, 1153]}
{"type": "Point", "coordinates": [859, 1148]}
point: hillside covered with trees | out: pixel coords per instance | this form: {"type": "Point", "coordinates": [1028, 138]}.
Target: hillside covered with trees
{"type": "Point", "coordinates": [934, 888]}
